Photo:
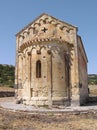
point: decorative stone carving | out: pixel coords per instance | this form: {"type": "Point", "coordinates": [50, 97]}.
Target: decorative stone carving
{"type": "Point", "coordinates": [51, 60]}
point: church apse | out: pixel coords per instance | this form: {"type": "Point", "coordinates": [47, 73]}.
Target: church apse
{"type": "Point", "coordinates": [47, 67]}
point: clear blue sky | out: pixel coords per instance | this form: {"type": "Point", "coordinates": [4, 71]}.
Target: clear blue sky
{"type": "Point", "coordinates": [16, 14]}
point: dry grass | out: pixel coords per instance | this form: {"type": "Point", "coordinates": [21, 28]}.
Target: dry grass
{"type": "Point", "coordinates": [93, 90]}
{"type": "Point", "coordinates": [6, 89]}
{"type": "Point", "coordinates": [68, 121]}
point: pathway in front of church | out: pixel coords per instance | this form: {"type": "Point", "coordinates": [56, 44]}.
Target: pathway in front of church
{"type": "Point", "coordinates": [9, 104]}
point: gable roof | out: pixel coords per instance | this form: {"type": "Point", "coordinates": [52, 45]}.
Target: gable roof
{"type": "Point", "coordinates": [47, 16]}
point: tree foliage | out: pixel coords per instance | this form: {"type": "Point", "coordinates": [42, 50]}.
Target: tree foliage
{"type": "Point", "coordinates": [7, 75]}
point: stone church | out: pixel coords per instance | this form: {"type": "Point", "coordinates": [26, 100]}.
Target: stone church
{"type": "Point", "coordinates": [51, 64]}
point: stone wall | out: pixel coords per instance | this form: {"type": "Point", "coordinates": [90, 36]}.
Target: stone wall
{"type": "Point", "coordinates": [83, 82]}
{"type": "Point", "coordinates": [48, 70]}
{"type": "Point", "coordinates": [51, 86]}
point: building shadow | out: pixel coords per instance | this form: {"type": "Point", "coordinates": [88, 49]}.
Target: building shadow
{"type": "Point", "coordinates": [92, 101]}
{"type": "Point", "coordinates": [6, 94]}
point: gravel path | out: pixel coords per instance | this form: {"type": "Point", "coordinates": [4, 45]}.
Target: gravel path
{"type": "Point", "coordinates": [9, 103]}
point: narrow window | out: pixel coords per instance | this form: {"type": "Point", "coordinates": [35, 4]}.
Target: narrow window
{"type": "Point", "coordinates": [38, 69]}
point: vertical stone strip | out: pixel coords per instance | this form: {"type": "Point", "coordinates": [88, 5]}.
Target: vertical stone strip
{"type": "Point", "coordinates": [20, 76]}
{"type": "Point", "coordinates": [75, 99]}
{"type": "Point", "coordinates": [29, 74]}
{"type": "Point", "coordinates": [67, 75]}
{"type": "Point", "coordinates": [50, 80]}
{"type": "Point", "coordinates": [16, 70]}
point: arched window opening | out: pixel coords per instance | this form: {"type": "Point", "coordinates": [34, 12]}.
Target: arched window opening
{"type": "Point", "coordinates": [38, 69]}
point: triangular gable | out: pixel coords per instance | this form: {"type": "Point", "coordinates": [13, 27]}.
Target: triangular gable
{"type": "Point", "coordinates": [41, 17]}
{"type": "Point", "coordinates": [47, 27]}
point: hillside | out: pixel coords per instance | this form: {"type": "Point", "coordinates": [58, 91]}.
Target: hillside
{"type": "Point", "coordinates": [7, 75]}
{"type": "Point", "coordinates": [92, 79]}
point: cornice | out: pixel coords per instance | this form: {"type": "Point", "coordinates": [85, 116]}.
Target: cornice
{"type": "Point", "coordinates": [42, 41]}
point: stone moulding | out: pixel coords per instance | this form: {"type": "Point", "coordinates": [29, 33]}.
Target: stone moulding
{"type": "Point", "coordinates": [42, 40]}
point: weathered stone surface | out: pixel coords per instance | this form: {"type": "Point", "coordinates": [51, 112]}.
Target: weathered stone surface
{"type": "Point", "coordinates": [51, 64]}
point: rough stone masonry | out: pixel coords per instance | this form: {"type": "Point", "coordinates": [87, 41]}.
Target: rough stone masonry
{"type": "Point", "coordinates": [51, 64]}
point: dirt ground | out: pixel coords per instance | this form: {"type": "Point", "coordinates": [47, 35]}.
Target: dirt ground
{"type": "Point", "coordinates": [68, 121]}
{"type": "Point", "coordinates": [13, 120]}
{"type": "Point", "coordinates": [8, 89]}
